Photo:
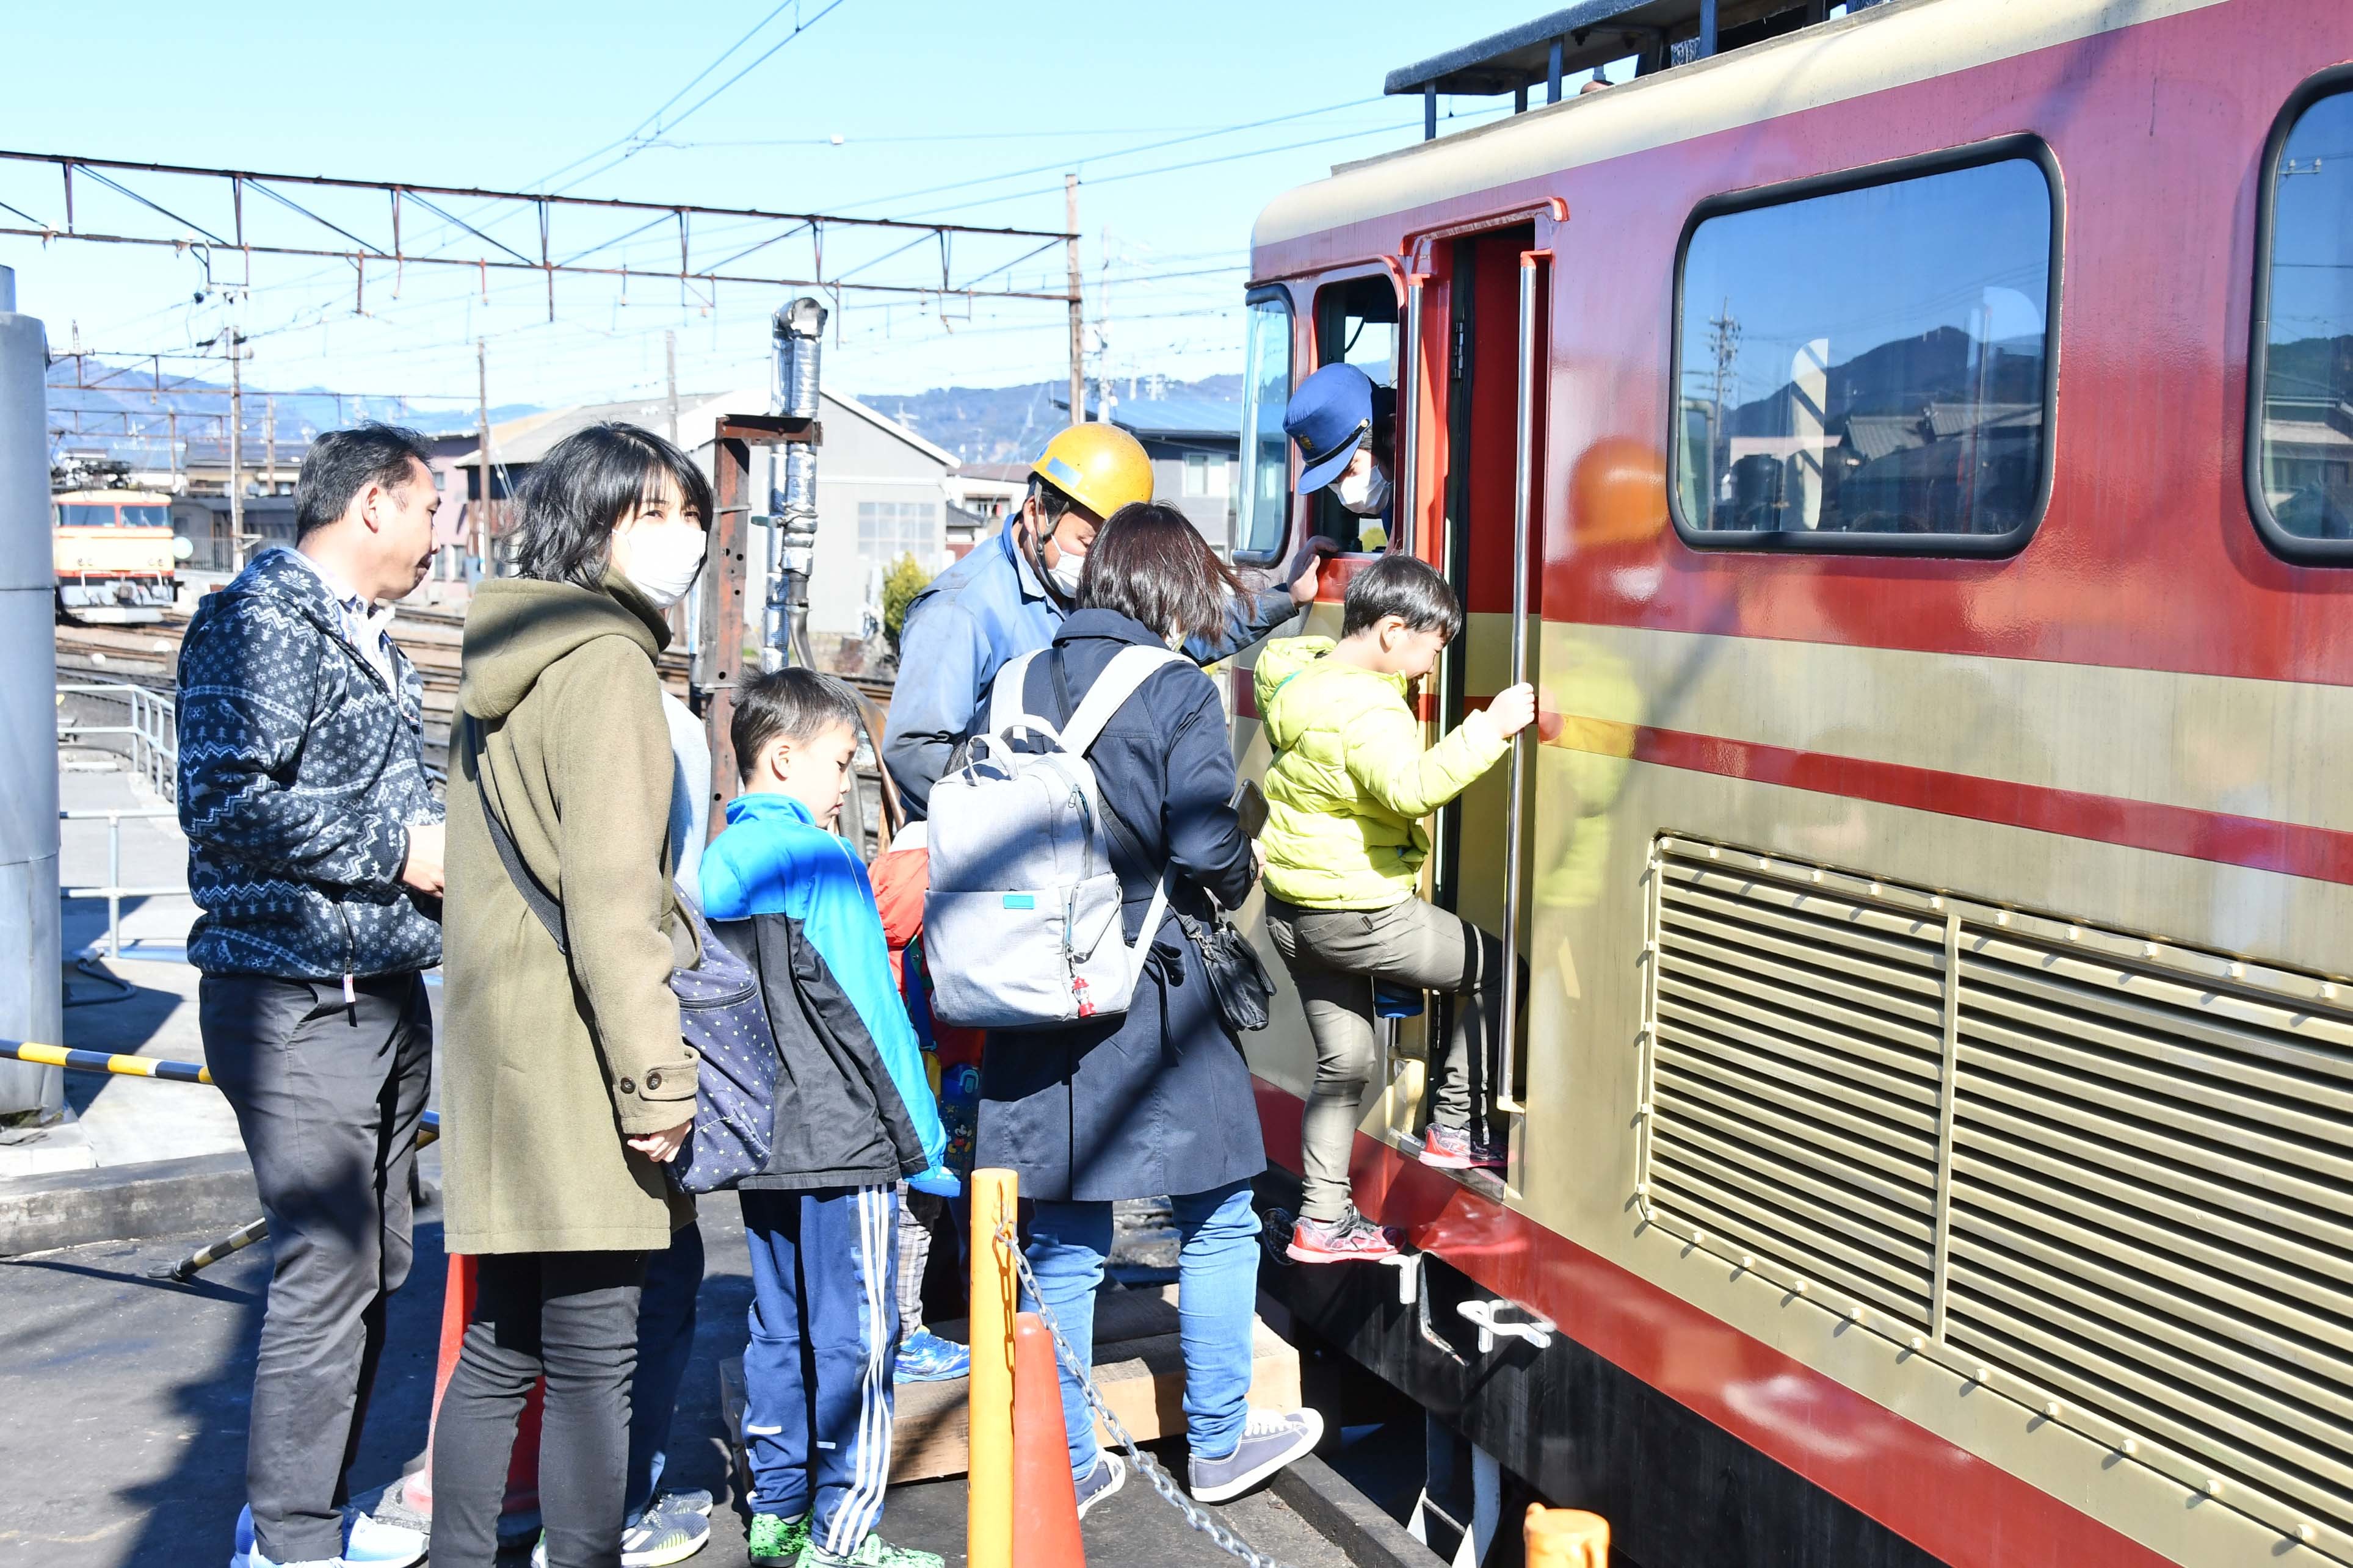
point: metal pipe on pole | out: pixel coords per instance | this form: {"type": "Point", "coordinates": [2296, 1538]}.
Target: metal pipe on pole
{"type": "Point", "coordinates": [32, 992]}
{"type": "Point", "coordinates": [1078, 308]}
{"type": "Point", "coordinates": [799, 337]}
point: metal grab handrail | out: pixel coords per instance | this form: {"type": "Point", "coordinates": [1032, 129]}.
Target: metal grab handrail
{"type": "Point", "coordinates": [1515, 812]}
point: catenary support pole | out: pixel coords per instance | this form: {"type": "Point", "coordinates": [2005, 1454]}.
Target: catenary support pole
{"type": "Point", "coordinates": [669, 353]}
{"type": "Point", "coordinates": [32, 992]}
{"type": "Point", "coordinates": [481, 509]}
{"type": "Point", "coordinates": [1078, 307]}
{"type": "Point", "coordinates": [235, 448]}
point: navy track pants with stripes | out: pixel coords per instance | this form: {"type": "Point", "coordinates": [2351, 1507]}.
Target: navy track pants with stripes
{"type": "Point", "coordinates": [816, 1373]}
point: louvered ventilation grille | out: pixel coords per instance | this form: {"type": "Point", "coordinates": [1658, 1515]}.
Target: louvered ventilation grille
{"type": "Point", "coordinates": [2135, 1215]}
{"type": "Point", "coordinates": [2152, 1207]}
{"type": "Point", "coordinates": [1799, 1043]}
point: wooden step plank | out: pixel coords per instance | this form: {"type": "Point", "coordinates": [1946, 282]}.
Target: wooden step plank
{"type": "Point", "coordinates": [1141, 1375]}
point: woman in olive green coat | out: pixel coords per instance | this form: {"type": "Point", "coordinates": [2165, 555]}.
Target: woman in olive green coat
{"type": "Point", "coordinates": [566, 1085]}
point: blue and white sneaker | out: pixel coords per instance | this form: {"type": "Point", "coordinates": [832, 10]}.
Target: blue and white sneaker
{"type": "Point", "coordinates": [368, 1542]}
{"type": "Point", "coordinates": [924, 1357]}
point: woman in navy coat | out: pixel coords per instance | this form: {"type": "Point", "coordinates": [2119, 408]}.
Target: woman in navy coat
{"type": "Point", "coordinates": [1158, 1100]}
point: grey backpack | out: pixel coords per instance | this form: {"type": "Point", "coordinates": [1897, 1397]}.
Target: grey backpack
{"type": "Point", "coordinates": [1022, 923]}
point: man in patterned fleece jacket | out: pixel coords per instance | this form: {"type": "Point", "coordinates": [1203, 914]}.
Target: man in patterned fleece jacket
{"type": "Point", "coordinates": [315, 851]}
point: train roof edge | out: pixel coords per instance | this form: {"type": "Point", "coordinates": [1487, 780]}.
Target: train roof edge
{"type": "Point", "coordinates": [1887, 46]}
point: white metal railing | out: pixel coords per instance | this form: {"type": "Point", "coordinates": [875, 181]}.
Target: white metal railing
{"type": "Point", "coordinates": [154, 727]}
{"type": "Point", "coordinates": [114, 892]}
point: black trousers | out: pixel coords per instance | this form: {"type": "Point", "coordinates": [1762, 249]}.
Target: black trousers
{"type": "Point", "coordinates": [327, 1094]}
{"type": "Point", "coordinates": [573, 1317]}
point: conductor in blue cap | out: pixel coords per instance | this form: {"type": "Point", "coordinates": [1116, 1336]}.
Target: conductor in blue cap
{"type": "Point", "coordinates": [1342, 425]}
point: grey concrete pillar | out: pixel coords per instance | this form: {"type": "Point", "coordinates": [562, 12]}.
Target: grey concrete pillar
{"type": "Point", "coordinates": [31, 992]}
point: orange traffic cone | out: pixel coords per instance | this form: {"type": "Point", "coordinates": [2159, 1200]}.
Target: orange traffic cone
{"type": "Point", "coordinates": [1566, 1538]}
{"type": "Point", "coordinates": [1045, 1500]}
{"type": "Point", "coordinates": [522, 1471]}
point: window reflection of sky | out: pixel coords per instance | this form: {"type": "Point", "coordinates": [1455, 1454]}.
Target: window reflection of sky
{"type": "Point", "coordinates": [1865, 268]}
{"type": "Point", "coordinates": [2312, 226]}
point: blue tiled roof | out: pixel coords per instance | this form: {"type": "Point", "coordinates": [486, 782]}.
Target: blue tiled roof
{"type": "Point", "coordinates": [1172, 418]}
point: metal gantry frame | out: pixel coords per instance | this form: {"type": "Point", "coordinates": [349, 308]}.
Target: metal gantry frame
{"type": "Point", "coordinates": [400, 250]}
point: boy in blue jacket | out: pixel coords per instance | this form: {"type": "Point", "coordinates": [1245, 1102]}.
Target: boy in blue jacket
{"type": "Point", "coordinates": [854, 1113]}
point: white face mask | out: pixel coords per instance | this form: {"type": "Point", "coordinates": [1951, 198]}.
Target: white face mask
{"type": "Point", "coordinates": [664, 562]}
{"type": "Point", "coordinates": [1064, 572]}
{"type": "Point", "coordinates": [1367, 494]}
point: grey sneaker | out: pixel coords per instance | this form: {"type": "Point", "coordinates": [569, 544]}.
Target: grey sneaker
{"type": "Point", "coordinates": [1109, 1475]}
{"type": "Point", "coordinates": [695, 1501]}
{"type": "Point", "coordinates": [659, 1537]}
{"type": "Point", "coordinates": [663, 1535]}
{"type": "Point", "coordinates": [1270, 1439]}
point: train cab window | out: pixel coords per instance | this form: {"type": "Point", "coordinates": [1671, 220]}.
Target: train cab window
{"type": "Point", "coordinates": [1263, 509]}
{"type": "Point", "coordinates": [2300, 481]}
{"type": "Point", "coordinates": [1356, 323]}
{"type": "Point", "coordinates": [1868, 366]}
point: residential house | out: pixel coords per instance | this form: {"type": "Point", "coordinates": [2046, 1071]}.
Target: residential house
{"type": "Point", "coordinates": [1194, 444]}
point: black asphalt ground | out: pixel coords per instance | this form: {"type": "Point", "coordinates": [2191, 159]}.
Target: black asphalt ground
{"type": "Point", "coordinates": [122, 1409]}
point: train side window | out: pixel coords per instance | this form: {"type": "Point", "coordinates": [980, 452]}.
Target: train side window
{"type": "Point", "coordinates": [1867, 364]}
{"type": "Point", "coordinates": [1264, 502]}
{"type": "Point", "coordinates": [2300, 436]}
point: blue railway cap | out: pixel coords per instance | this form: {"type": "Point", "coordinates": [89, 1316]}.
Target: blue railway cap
{"type": "Point", "coordinates": [1329, 415]}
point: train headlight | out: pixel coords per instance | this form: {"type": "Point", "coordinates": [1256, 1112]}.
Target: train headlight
{"type": "Point", "coordinates": [183, 547]}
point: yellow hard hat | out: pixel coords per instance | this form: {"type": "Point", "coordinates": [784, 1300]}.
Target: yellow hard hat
{"type": "Point", "coordinates": [1100, 467]}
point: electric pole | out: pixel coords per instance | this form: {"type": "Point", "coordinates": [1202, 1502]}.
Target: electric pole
{"type": "Point", "coordinates": [482, 460]}
{"type": "Point", "coordinates": [269, 443]}
{"type": "Point", "coordinates": [670, 348]}
{"type": "Point", "coordinates": [1078, 310]}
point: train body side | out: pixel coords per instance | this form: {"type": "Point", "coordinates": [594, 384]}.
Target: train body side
{"type": "Point", "coordinates": [2119, 735]}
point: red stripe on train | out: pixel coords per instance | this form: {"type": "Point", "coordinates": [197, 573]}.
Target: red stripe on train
{"type": "Point", "coordinates": [1944, 1499]}
{"type": "Point", "coordinates": [2320, 853]}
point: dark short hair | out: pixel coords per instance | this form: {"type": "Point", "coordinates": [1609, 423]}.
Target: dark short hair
{"type": "Point", "coordinates": [789, 704]}
{"type": "Point", "coordinates": [1051, 502]}
{"type": "Point", "coordinates": [575, 496]}
{"type": "Point", "coordinates": [1151, 564]}
{"type": "Point", "coordinates": [342, 463]}
{"type": "Point", "coordinates": [1403, 586]}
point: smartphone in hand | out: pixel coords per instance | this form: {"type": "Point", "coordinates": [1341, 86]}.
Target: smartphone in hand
{"type": "Point", "coordinates": [1250, 803]}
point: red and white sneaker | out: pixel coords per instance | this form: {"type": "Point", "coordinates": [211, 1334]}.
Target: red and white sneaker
{"type": "Point", "coordinates": [1454, 1149]}
{"type": "Point", "coordinates": [1351, 1239]}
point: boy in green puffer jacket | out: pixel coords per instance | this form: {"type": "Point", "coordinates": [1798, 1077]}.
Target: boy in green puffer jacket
{"type": "Point", "coordinates": [1345, 842]}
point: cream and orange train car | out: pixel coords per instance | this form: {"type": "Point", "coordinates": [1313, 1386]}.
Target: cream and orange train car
{"type": "Point", "coordinates": [1913, 458]}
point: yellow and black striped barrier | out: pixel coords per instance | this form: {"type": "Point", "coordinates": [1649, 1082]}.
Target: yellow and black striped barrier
{"type": "Point", "coordinates": [103, 1061]}
{"type": "Point", "coordinates": [428, 1130]}
{"type": "Point", "coordinates": [244, 1236]}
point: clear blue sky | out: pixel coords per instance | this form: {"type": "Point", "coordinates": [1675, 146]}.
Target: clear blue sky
{"type": "Point", "coordinates": [937, 104]}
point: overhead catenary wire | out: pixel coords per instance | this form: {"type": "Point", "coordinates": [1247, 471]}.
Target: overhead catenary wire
{"type": "Point", "coordinates": [421, 301]}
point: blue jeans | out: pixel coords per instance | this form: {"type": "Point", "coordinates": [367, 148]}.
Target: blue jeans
{"type": "Point", "coordinates": [1217, 1302]}
{"type": "Point", "coordinates": [665, 1344]}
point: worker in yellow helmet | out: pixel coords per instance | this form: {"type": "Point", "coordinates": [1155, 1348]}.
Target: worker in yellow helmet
{"type": "Point", "coordinates": [1009, 595]}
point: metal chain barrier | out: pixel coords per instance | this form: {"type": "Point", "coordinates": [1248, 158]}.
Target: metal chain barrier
{"type": "Point", "coordinates": [1225, 1540]}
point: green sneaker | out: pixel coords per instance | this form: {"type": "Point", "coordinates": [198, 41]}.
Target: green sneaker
{"type": "Point", "coordinates": [777, 1541]}
{"type": "Point", "coordinates": [873, 1552]}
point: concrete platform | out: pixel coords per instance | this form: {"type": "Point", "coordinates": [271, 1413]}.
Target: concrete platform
{"type": "Point", "coordinates": [125, 1442]}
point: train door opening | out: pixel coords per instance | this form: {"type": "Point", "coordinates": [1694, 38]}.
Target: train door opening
{"type": "Point", "coordinates": [1490, 466]}
{"type": "Point", "coordinates": [1356, 323]}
